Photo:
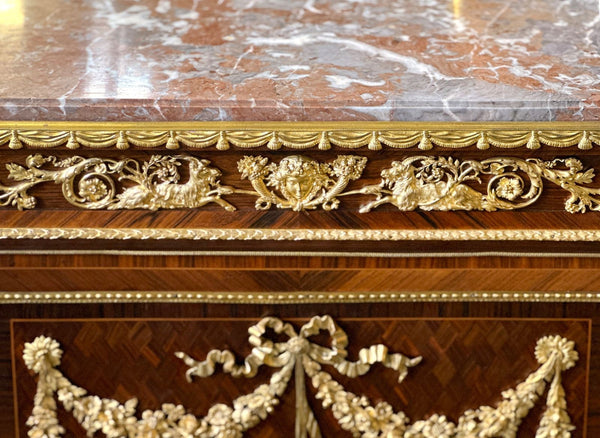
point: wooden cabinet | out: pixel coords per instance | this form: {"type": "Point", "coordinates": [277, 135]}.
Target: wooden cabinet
{"type": "Point", "coordinates": [388, 209]}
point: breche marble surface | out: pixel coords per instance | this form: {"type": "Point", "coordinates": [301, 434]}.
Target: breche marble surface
{"type": "Point", "coordinates": [435, 60]}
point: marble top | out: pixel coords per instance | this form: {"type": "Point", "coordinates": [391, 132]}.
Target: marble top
{"type": "Point", "coordinates": [430, 60]}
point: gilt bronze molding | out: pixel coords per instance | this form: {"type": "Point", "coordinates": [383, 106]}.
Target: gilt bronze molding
{"type": "Point", "coordinates": [299, 135]}
{"type": "Point", "coordinates": [298, 297]}
{"type": "Point", "coordinates": [299, 234]}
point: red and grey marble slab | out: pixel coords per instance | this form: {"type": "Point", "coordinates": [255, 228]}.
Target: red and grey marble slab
{"type": "Point", "coordinates": [435, 60]}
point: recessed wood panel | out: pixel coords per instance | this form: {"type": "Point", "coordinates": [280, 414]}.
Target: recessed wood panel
{"type": "Point", "coordinates": [466, 363]}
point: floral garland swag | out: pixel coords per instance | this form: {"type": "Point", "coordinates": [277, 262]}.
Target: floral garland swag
{"type": "Point", "coordinates": [298, 356]}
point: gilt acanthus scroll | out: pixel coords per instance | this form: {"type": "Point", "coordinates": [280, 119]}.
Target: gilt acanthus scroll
{"type": "Point", "coordinates": [440, 183]}
{"type": "Point", "coordinates": [301, 183]}
{"type": "Point", "coordinates": [90, 182]}
{"type": "Point", "coordinates": [298, 356]}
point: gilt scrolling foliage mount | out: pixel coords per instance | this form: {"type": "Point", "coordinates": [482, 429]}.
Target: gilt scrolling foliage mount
{"type": "Point", "coordinates": [300, 183]}
{"type": "Point", "coordinates": [298, 356]}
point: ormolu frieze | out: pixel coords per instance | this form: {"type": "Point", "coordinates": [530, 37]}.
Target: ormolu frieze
{"type": "Point", "coordinates": [300, 183]}
{"type": "Point", "coordinates": [440, 183]}
{"type": "Point", "coordinates": [155, 184]}
{"type": "Point", "coordinates": [294, 353]}
{"type": "Point", "coordinates": [92, 182]}
{"type": "Point", "coordinates": [447, 137]}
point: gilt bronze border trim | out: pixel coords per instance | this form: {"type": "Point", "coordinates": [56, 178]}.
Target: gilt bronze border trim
{"type": "Point", "coordinates": [300, 234]}
{"type": "Point", "coordinates": [91, 297]}
{"type": "Point", "coordinates": [299, 135]}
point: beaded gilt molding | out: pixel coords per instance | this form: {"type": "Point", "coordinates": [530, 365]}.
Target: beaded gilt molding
{"type": "Point", "coordinates": [301, 183]}
{"type": "Point", "coordinates": [299, 135]}
{"type": "Point", "coordinates": [297, 297]}
{"type": "Point", "coordinates": [299, 357]}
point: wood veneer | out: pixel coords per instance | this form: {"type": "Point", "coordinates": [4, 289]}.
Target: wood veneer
{"type": "Point", "coordinates": [21, 273]}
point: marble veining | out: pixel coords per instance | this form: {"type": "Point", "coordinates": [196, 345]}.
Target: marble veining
{"type": "Point", "coordinates": [431, 60]}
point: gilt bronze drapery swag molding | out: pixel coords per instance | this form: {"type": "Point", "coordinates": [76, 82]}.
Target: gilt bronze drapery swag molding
{"type": "Point", "coordinates": [298, 356]}
{"type": "Point", "coordinates": [300, 135]}
{"type": "Point", "coordinates": [301, 183]}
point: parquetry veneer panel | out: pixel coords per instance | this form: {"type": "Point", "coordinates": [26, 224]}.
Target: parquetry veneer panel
{"type": "Point", "coordinates": [466, 363]}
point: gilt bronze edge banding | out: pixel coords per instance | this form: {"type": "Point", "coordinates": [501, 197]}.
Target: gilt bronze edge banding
{"type": "Point", "coordinates": [91, 297]}
{"type": "Point", "coordinates": [302, 234]}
